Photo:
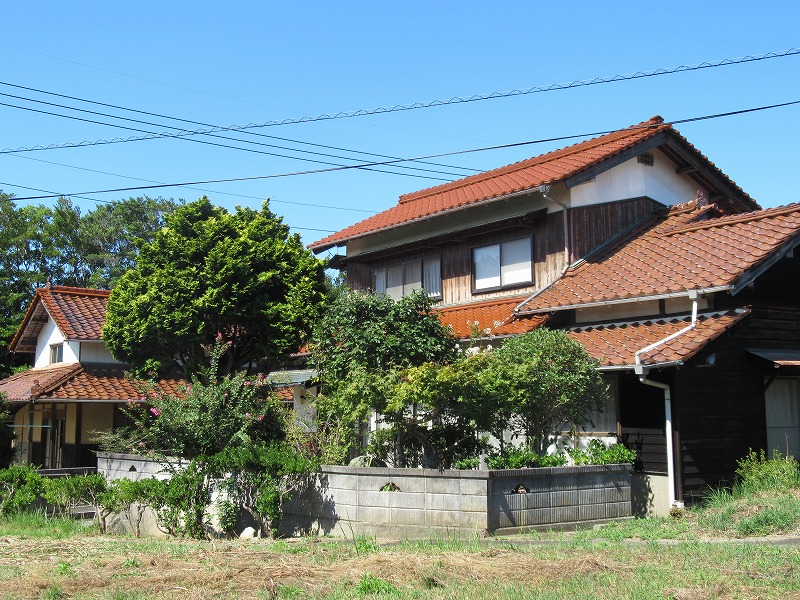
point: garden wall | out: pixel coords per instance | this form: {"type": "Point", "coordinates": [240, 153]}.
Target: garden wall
{"type": "Point", "coordinates": [407, 503]}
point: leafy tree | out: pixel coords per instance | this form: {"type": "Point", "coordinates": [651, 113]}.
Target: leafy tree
{"type": "Point", "coordinates": [209, 275]}
{"type": "Point", "coordinates": [548, 379]}
{"type": "Point", "coordinates": [97, 248]}
{"type": "Point", "coordinates": [226, 430]}
{"type": "Point", "coordinates": [373, 332]}
{"type": "Point", "coordinates": [360, 346]}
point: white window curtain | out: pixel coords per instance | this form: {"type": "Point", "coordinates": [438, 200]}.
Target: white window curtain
{"type": "Point", "coordinates": [516, 262]}
{"type": "Point", "coordinates": [432, 276]}
{"type": "Point", "coordinates": [487, 266]}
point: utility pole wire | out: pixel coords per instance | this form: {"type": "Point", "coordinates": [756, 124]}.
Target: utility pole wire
{"type": "Point", "coordinates": [439, 155]}
{"type": "Point", "coordinates": [421, 105]}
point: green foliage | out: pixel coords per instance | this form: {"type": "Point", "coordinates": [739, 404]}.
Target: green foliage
{"type": "Point", "coordinates": [596, 453]}
{"type": "Point", "coordinates": [38, 243]}
{"type": "Point", "coordinates": [757, 472]}
{"type": "Point", "coordinates": [209, 417]}
{"type": "Point", "coordinates": [261, 477]}
{"type": "Point", "coordinates": [512, 457]}
{"type": "Point", "coordinates": [548, 379]}
{"type": "Point", "coordinates": [375, 333]}
{"type": "Point", "coordinates": [361, 345]}
{"type": "Point", "coordinates": [20, 486]}
{"type": "Point", "coordinates": [227, 516]}
{"type": "Point", "coordinates": [467, 464]}
{"type": "Point", "coordinates": [181, 502]}
{"type": "Point", "coordinates": [7, 450]}
{"type": "Point", "coordinates": [240, 278]}
{"type": "Point", "coordinates": [369, 584]}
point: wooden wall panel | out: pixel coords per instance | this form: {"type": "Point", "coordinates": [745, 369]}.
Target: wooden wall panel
{"type": "Point", "coordinates": [592, 226]}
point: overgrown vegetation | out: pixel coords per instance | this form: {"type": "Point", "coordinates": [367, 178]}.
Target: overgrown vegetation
{"type": "Point", "coordinates": [226, 432]}
{"type": "Point", "coordinates": [437, 403]}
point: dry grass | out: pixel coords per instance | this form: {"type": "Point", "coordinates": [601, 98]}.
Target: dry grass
{"type": "Point", "coordinates": [109, 567]}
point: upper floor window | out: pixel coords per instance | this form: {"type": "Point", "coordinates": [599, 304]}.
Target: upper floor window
{"type": "Point", "coordinates": [504, 264]}
{"type": "Point", "coordinates": [56, 353]}
{"type": "Point", "coordinates": [399, 280]}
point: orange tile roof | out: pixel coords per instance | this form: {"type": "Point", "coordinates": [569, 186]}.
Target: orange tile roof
{"type": "Point", "coordinates": [80, 382]}
{"type": "Point", "coordinates": [525, 175]}
{"type": "Point", "coordinates": [614, 345]}
{"type": "Point", "coordinates": [684, 248]}
{"type": "Point", "coordinates": [79, 313]}
{"type": "Point", "coordinates": [487, 318]}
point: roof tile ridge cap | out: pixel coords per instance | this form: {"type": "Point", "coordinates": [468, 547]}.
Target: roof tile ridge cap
{"type": "Point", "coordinates": [77, 291]}
{"type": "Point", "coordinates": [68, 373]}
{"type": "Point", "coordinates": [655, 124]}
{"type": "Point", "coordinates": [735, 219]}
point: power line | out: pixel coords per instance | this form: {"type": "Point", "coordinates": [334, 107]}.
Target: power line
{"type": "Point", "coordinates": [25, 187]}
{"type": "Point", "coordinates": [192, 122]}
{"type": "Point", "coordinates": [439, 155]}
{"type": "Point", "coordinates": [183, 135]}
{"type": "Point", "coordinates": [206, 191]}
{"type": "Point", "coordinates": [224, 137]}
{"type": "Point", "coordinates": [421, 105]}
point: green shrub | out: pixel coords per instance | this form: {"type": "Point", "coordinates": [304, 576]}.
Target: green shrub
{"type": "Point", "coordinates": [519, 458]}
{"type": "Point", "coordinates": [757, 472]}
{"type": "Point", "coordinates": [20, 486]}
{"type": "Point", "coordinates": [136, 496]}
{"type": "Point", "coordinates": [467, 464]}
{"type": "Point", "coordinates": [596, 453]}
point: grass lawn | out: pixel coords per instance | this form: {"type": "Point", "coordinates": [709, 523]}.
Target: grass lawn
{"type": "Point", "coordinates": [50, 558]}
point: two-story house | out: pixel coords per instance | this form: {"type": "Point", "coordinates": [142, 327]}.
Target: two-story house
{"type": "Point", "coordinates": [643, 250]}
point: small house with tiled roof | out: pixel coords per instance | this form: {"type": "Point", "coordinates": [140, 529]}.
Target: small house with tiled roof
{"type": "Point", "coordinates": [644, 251]}
{"type": "Point", "coordinates": [75, 386]}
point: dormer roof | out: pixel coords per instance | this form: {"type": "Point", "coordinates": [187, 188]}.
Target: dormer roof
{"type": "Point", "coordinates": [570, 165]}
{"type": "Point", "coordinates": [79, 313]}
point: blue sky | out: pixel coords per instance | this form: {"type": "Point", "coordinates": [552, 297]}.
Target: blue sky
{"type": "Point", "coordinates": [243, 62]}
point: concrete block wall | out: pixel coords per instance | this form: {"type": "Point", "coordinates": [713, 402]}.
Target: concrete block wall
{"type": "Point", "coordinates": [389, 503]}
{"type": "Point", "coordinates": [557, 497]}
{"type": "Point", "coordinates": [423, 502]}
{"type": "Point", "coordinates": [130, 466]}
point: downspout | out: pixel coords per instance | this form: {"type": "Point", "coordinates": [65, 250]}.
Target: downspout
{"type": "Point", "coordinates": [641, 370]}
{"type": "Point", "coordinates": [544, 189]}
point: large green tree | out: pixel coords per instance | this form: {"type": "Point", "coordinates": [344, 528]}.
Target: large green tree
{"type": "Point", "coordinates": [209, 275]}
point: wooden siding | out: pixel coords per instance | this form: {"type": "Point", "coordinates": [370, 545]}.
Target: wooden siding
{"type": "Point", "coordinates": [641, 415]}
{"type": "Point", "coordinates": [456, 256]}
{"type": "Point", "coordinates": [592, 226]}
{"type": "Point", "coordinates": [721, 408]}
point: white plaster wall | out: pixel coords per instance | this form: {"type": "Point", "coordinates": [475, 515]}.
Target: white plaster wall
{"type": "Point", "coordinates": [634, 180]}
{"type": "Point", "coordinates": [96, 352]}
{"type": "Point", "coordinates": [49, 335]}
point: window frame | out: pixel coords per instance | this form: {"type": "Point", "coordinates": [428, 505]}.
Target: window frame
{"type": "Point", "coordinates": [502, 286]}
{"type": "Point", "coordinates": [404, 270]}
{"type": "Point", "coordinates": [57, 353]}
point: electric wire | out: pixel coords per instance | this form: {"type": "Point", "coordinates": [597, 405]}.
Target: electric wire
{"type": "Point", "coordinates": [83, 110]}
{"type": "Point", "coordinates": [441, 154]}
{"type": "Point", "coordinates": [206, 191]}
{"type": "Point", "coordinates": [188, 138]}
{"type": "Point", "coordinates": [192, 122]}
{"type": "Point", "coordinates": [422, 105]}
